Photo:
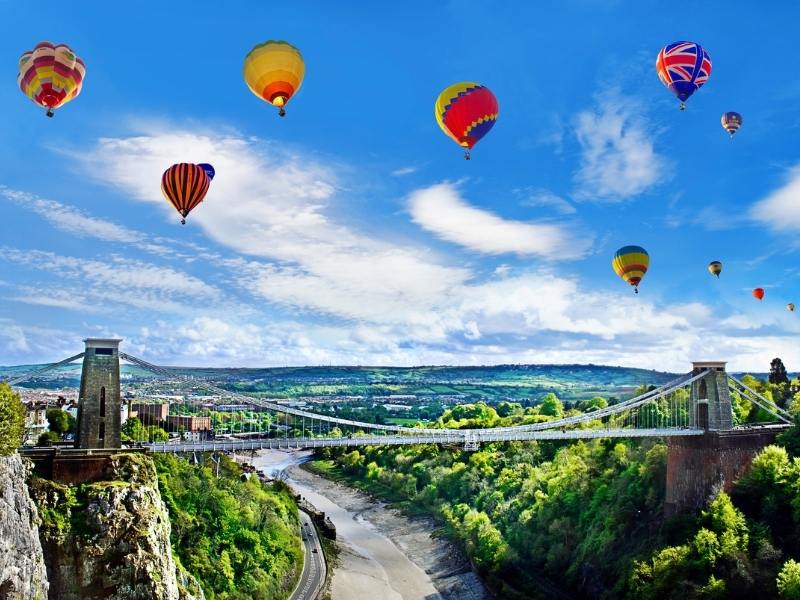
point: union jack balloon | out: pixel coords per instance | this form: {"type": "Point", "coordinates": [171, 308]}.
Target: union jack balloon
{"type": "Point", "coordinates": [683, 67]}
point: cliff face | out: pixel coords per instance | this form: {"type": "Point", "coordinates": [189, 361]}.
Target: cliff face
{"type": "Point", "coordinates": [110, 539]}
{"type": "Point", "coordinates": [22, 570]}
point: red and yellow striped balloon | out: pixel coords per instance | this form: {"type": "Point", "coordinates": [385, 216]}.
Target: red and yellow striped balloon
{"type": "Point", "coordinates": [185, 185]}
{"type": "Point", "coordinates": [466, 112]}
{"type": "Point", "coordinates": [274, 72]}
{"type": "Point", "coordinates": [631, 263]}
{"type": "Point", "coordinates": [51, 75]}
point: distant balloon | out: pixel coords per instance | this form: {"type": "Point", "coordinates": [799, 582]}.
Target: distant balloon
{"type": "Point", "coordinates": [683, 67]}
{"type": "Point", "coordinates": [758, 293]}
{"type": "Point", "coordinates": [185, 185]}
{"type": "Point", "coordinates": [631, 263]}
{"type": "Point", "coordinates": [715, 267]}
{"type": "Point", "coordinates": [274, 72]}
{"type": "Point", "coordinates": [51, 75]}
{"type": "Point", "coordinates": [731, 121]}
{"type": "Point", "coordinates": [466, 112]}
{"type": "Point", "coordinates": [208, 169]}
{"type": "Point", "coordinates": [790, 307]}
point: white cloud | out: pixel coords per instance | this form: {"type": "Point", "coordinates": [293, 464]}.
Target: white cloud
{"type": "Point", "coordinates": [441, 210]}
{"type": "Point", "coordinates": [780, 210]}
{"type": "Point", "coordinates": [117, 273]}
{"type": "Point", "coordinates": [539, 197]}
{"type": "Point", "coordinates": [402, 171]}
{"type": "Point", "coordinates": [618, 159]}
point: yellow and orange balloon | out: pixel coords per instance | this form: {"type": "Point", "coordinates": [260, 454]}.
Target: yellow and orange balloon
{"type": "Point", "coordinates": [630, 263]}
{"type": "Point", "coordinates": [51, 75]}
{"type": "Point", "coordinates": [274, 72]}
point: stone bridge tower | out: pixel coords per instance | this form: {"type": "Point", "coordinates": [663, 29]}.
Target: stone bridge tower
{"type": "Point", "coordinates": [99, 399]}
{"type": "Point", "coordinates": [699, 466]}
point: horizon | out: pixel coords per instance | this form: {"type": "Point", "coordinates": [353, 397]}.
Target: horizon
{"type": "Point", "coordinates": [352, 231]}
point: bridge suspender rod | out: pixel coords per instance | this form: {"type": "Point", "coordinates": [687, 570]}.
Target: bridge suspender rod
{"type": "Point", "coordinates": [761, 401]}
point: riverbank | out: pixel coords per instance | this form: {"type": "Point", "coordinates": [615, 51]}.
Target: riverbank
{"type": "Point", "coordinates": [383, 554]}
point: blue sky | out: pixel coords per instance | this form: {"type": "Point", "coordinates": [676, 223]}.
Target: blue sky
{"type": "Point", "coordinates": [353, 232]}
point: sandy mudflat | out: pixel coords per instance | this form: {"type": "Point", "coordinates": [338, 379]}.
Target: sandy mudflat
{"type": "Point", "coordinates": [383, 554]}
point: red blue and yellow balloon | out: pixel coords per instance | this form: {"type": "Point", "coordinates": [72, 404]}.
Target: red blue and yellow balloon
{"type": "Point", "coordinates": [466, 112]}
{"type": "Point", "coordinates": [274, 72]}
{"type": "Point", "coordinates": [51, 75]}
{"type": "Point", "coordinates": [683, 67]}
{"type": "Point", "coordinates": [185, 185]}
{"type": "Point", "coordinates": [630, 264]}
{"type": "Point", "coordinates": [731, 121]}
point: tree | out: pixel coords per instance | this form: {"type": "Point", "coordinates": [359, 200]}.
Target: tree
{"type": "Point", "coordinates": [12, 420]}
{"type": "Point", "coordinates": [777, 372]}
{"type": "Point", "coordinates": [551, 406]}
{"type": "Point", "coordinates": [47, 438]}
{"type": "Point", "coordinates": [58, 420]}
{"type": "Point", "coordinates": [789, 580]}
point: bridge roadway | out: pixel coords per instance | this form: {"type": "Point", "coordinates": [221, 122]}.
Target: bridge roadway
{"type": "Point", "coordinates": [453, 437]}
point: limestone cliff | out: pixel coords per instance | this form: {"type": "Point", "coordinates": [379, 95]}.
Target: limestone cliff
{"type": "Point", "coordinates": [22, 570]}
{"type": "Point", "coordinates": [109, 539]}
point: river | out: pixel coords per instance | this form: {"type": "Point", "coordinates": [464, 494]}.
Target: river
{"type": "Point", "coordinates": [383, 555]}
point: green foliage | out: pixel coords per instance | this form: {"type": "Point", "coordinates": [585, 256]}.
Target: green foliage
{"type": "Point", "coordinates": [777, 372]}
{"type": "Point", "coordinates": [134, 431]}
{"type": "Point", "coordinates": [237, 537]}
{"type": "Point", "coordinates": [47, 438]}
{"type": "Point", "coordinates": [58, 420]}
{"type": "Point", "coordinates": [789, 580]}
{"type": "Point", "coordinates": [551, 406]}
{"type": "Point", "coordinates": [12, 420]}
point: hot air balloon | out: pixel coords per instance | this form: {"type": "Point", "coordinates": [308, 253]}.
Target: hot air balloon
{"type": "Point", "coordinates": [758, 293]}
{"type": "Point", "coordinates": [790, 307]}
{"type": "Point", "coordinates": [715, 267]}
{"type": "Point", "coordinates": [185, 185]}
{"type": "Point", "coordinates": [683, 67]}
{"type": "Point", "coordinates": [630, 263]}
{"type": "Point", "coordinates": [274, 72]}
{"type": "Point", "coordinates": [731, 121]}
{"type": "Point", "coordinates": [466, 112]}
{"type": "Point", "coordinates": [208, 169]}
{"type": "Point", "coordinates": [51, 75]}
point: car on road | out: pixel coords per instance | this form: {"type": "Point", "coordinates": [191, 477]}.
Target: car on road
{"type": "Point", "coordinates": [314, 550]}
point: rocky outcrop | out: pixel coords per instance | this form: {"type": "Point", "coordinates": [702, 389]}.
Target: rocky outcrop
{"type": "Point", "coordinates": [22, 570]}
{"type": "Point", "coordinates": [109, 539]}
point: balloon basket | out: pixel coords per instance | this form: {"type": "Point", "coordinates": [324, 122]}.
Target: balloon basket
{"type": "Point", "coordinates": [183, 221]}
{"type": "Point", "coordinates": [282, 112]}
{"type": "Point", "coordinates": [682, 106]}
{"type": "Point", "coordinates": [50, 113]}
{"type": "Point", "coordinates": [467, 155]}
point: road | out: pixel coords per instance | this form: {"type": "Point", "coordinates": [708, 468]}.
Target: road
{"type": "Point", "coordinates": [314, 568]}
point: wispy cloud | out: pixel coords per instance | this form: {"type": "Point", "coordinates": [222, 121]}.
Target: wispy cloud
{"type": "Point", "coordinates": [541, 197]}
{"type": "Point", "coordinates": [618, 158]}
{"type": "Point", "coordinates": [780, 210]}
{"type": "Point", "coordinates": [404, 171]}
{"type": "Point", "coordinates": [441, 210]}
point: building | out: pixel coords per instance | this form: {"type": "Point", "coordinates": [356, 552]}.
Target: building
{"type": "Point", "coordinates": [35, 421]}
{"type": "Point", "coordinates": [191, 427]}
{"type": "Point", "coordinates": [150, 414]}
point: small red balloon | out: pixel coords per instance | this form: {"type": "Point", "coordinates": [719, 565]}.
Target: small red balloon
{"type": "Point", "coordinates": [758, 293]}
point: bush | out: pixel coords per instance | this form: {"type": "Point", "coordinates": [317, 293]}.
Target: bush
{"type": "Point", "coordinates": [12, 420]}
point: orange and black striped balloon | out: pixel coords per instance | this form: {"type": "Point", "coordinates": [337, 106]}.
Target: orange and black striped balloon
{"type": "Point", "coordinates": [185, 185]}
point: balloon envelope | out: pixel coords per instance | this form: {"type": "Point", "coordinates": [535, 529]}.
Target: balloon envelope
{"type": "Point", "coordinates": [790, 307]}
{"type": "Point", "coordinates": [208, 169]}
{"type": "Point", "coordinates": [51, 75]}
{"type": "Point", "coordinates": [715, 267]}
{"type": "Point", "coordinates": [630, 263]}
{"type": "Point", "coordinates": [184, 185]}
{"type": "Point", "coordinates": [731, 121]}
{"type": "Point", "coordinates": [758, 293]}
{"type": "Point", "coordinates": [466, 112]}
{"type": "Point", "coordinates": [683, 67]}
{"type": "Point", "coordinates": [274, 72]}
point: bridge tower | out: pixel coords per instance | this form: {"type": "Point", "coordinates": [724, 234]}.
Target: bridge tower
{"type": "Point", "coordinates": [99, 399]}
{"type": "Point", "coordinates": [699, 466]}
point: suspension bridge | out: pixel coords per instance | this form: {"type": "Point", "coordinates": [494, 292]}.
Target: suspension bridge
{"type": "Point", "coordinates": [689, 405]}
